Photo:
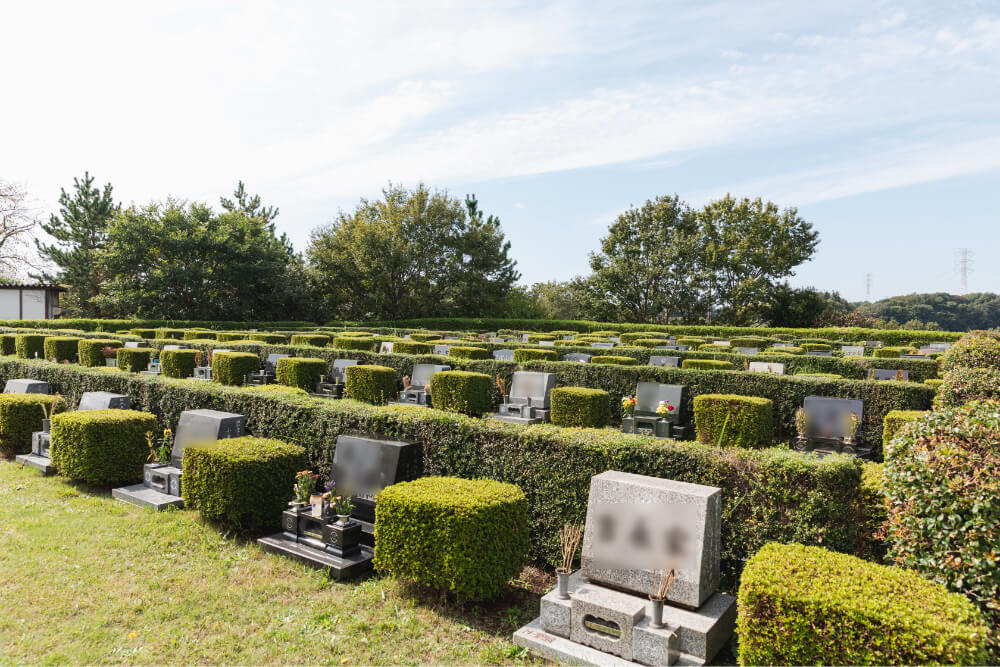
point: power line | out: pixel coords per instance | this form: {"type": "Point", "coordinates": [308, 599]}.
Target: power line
{"type": "Point", "coordinates": [868, 286]}
{"type": "Point", "coordinates": [964, 268]}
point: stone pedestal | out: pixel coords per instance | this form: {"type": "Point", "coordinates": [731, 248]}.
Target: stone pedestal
{"type": "Point", "coordinates": [39, 458]}
{"type": "Point", "coordinates": [321, 542]}
{"type": "Point", "coordinates": [160, 488]}
{"type": "Point", "coordinates": [514, 413]}
{"type": "Point", "coordinates": [25, 386]}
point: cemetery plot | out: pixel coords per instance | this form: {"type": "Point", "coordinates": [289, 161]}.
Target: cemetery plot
{"type": "Point", "coordinates": [829, 425]}
{"type": "Point", "coordinates": [528, 401]}
{"type": "Point", "coordinates": [657, 412]}
{"type": "Point", "coordinates": [333, 385]}
{"type": "Point", "coordinates": [416, 389]}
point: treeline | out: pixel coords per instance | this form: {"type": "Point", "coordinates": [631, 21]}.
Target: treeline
{"type": "Point", "coordinates": [939, 310]}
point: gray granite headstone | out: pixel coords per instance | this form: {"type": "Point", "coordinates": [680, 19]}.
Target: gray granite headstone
{"type": "Point", "coordinates": [766, 367]}
{"type": "Point", "coordinates": [638, 526]}
{"type": "Point", "coordinates": [385, 347]}
{"type": "Point", "coordinates": [819, 353]}
{"type": "Point", "coordinates": [748, 350]}
{"type": "Point", "coordinates": [532, 388]}
{"type": "Point", "coordinates": [939, 347]}
{"type": "Point", "coordinates": [272, 360]}
{"type": "Point", "coordinates": [197, 426]}
{"type": "Point", "coordinates": [422, 374]}
{"type": "Point", "coordinates": [442, 349]}
{"type": "Point", "coordinates": [25, 386]}
{"type": "Point", "coordinates": [503, 355]}
{"type": "Point", "coordinates": [546, 343]}
{"type": "Point", "coordinates": [135, 343]}
{"type": "Point", "coordinates": [173, 347]}
{"type": "Point", "coordinates": [602, 345]}
{"type": "Point", "coordinates": [853, 350]}
{"type": "Point", "coordinates": [103, 400]}
{"type": "Point", "coordinates": [494, 339]}
{"type": "Point", "coordinates": [648, 396]}
{"type": "Point", "coordinates": [364, 466]}
{"type": "Point", "coordinates": [578, 357]}
{"type": "Point", "coordinates": [677, 348]}
{"type": "Point", "coordinates": [666, 362]}
{"type": "Point", "coordinates": [339, 371]}
{"type": "Point", "coordinates": [888, 374]}
{"type": "Point", "coordinates": [826, 417]}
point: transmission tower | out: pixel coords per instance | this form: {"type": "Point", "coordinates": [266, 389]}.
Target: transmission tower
{"type": "Point", "coordinates": [868, 286]}
{"type": "Point", "coordinates": [964, 261]}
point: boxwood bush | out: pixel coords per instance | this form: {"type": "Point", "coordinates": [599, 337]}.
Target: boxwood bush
{"type": "Point", "coordinates": [978, 349]}
{"type": "Point", "coordinates": [462, 391]}
{"type": "Point", "coordinates": [941, 476]}
{"type": "Point", "coordinates": [315, 340]}
{"type": "Point", "coordinates": [888, 352]}
{"type": "Point", "coordinates": [101, 447]}
{"type": "Point", "coordinates": [169, 333]}
{"type": "Point", "coordinates": [729, 420]}
{"type": "Point", "coordinates": [8, 344]}
{"type": "Point", "coordinates": [134, 359]}
{"type": "Point", "coordinates": [895, 420]}
{"type": "Point", "coordinates": [691, 341]}
{"type": "Point", "coordinates": [354, 343]}
{"type": "Point", "coordinates": [227, 336]}
{"type": "Point", "coordinates": [61, 348]}
{"type": "Point", "coordinates": [423, 336]}
{"type": "Point", "coordinates": [646, 342]}
{"type": "Point", "coordinates": [467, 537]}
{"type": "Point", "coordinates": [796, 350]}
{"type": "Point", "coordinates": [371, 384]}
{"type": "Point", "coordinates": [199, 334]}
{"type": "Point", "coordinates": [802, 605]}
{"type": "Point", "coordinates": [816, 347]}
{"type": "Point", "coordinates": [706, 365]}
{"type": "Point", "coordinates": [244, 483]}
{"type": "Point", "coordinates": [463, 352]}
{"type": "Point", "coordinates": [232, 367]}
{"type": "Point", "coordinates": [758, 342]}
{"type": "Point", "coordinates": [20, 416]}
{"type": "Point", "coordinates": [641, 337]}
{"type": "Point", "coordinates": [143, 333]}
{"type": "Point", "coordinates": [178, 363]}
{"type": "Point", "coordinates": [934, 382]}
{"type": "Point", "coordinates": [301, 372]}
{"type": "Point", "coordinates": [30, 346]}
{"type": "Point", "coordinates": [580, 407]}
{"type": "Point", "coordinates": [537, 338]}
{"type": "Point", "coordinates": [411, 347]}
{"type": "Point", "coordinates": [270, 338]}
{"type": "Point", "coordinates": [529, 354]}
{"type": "Point", "coordinates": [91, 350]}
{"type": "Point", "coordinates": [962, 385]}
{"type": "Point", "coordinates": [607, 359]}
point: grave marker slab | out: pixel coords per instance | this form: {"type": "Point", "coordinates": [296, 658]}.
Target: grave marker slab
{"type": "Point", "coordinates": [888, 374]}
{"type": "Point", "coordinates": [25, 386]}
{"type": "Point", "coordinates": [664, 362]}
{"type": "Point", "coordinates": [853, 350]}
{"type": "Point", "coordinates": [578, 357]}
{"type": "Point", "coordinates": [528, 402]}
{"type": "Point", "coordinates": [766, 367]}
{"type": "Point", "coordinates": [195, 426]}
{"type": "Point", "coordinates": [416, 393]}
{"type": "Point", "coordinates": [503, 355]}
{"type": "Point", "coordinates": [104, 400]}
{"type": "Point", "coordinates": [748, 350]}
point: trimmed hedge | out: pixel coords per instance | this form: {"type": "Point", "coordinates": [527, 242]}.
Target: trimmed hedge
{"type": "Point", "coordinates": [104, 447]}
{"type": "Point", "coordinates": [7, 344]}
{"type": "Point", "coordinates": [169, 333]}
{"type": "Point", "coordinates": [607, 359]}
{"type": "Point", "coordinates": [941, 476]}
{"type": "Point", "coordinates": [978, 349]}
{"type": "Point", "coordinates": [300, 372]}
{"type": "Point", "coordinates": [579, 407]}
{"type": "Point", "coordinates": [91, 350]}
{"type": "Point", "coordinates": [466, 537]}
{"type": "Point", "coordinates": [528, 354]}
{"type": "Point", "coordinates": [537, 338]}
{"type": "Point", "coordinates": [242, 482]}
{"type": "Point", "coordinates": [411, 347]}
{"type": "Point", "coordinates": [354, 343]}
{"type": "Point", "coordinates": [30, 346]}
{"type": "Point", "coordinates": [895, 420]}
{"type": "Point", "coordinates": [801, 605]}
{"type": "Point", "coordinates": [705, 365]}
{"type": "Point", "coordinates": [199, 335]}
{"type": "Point", "coordinates": [232, 368]}
{"type": "Point", "coordinates": [61, 348]}
{"type": "Point", "coordinates": [134, 359]}
{"type": "Point", "coordinates": [638, 337]}
{"type": "Point", "coordinates": [888, 352]}
{"type": "Point", "coordinates": [20, 416]}
{"type": "Point", "coordinates": [371, 384]}
{"type": "Point", "coordinates": [225, 337]}
{"type": "Point", "coordinates": [423, 337]}
{"type": "Point", "coordinates": [315, 340]}
{"type": "Point", "coordinates": [143, 333]}
{"type": "Point", "coordinates": [934, 382]}
{"type": "Point", "coordinates": [962, 385]}
{"type": "Point", "coordinates": [795, 350]}
{"type": "Point", "coordinates": [729, 420]}
{"type": "Point", "coordinates": [462, 352]}
{"type": "Point", "coordinates": [816, 347]}
{"type": "Point", "coordinates": [270, 338]}
{"type": "Point", "coordinates": [178, 363]}
{"type": "Point", "coordinates": [462, 391]}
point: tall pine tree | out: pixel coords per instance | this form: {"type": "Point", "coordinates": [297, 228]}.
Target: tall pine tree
{"type": "Point", "coordinates": [79, 232]}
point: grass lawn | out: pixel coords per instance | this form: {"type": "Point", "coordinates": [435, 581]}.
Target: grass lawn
{"type": "Point", "coordinates": [88, 579]}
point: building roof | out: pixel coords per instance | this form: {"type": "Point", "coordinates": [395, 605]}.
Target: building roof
{"type": "Point", "coordinates": [58, 288]}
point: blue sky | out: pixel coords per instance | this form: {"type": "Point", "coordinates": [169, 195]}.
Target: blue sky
{"type": "Point", "coordinates": [878, 121]}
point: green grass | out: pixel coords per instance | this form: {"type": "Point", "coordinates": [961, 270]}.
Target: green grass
{"type": "Point", "coordinates": [88, 579]}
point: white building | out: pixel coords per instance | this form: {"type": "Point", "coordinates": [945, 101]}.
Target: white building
{"type": "Point", "coordinates": [30, 302]}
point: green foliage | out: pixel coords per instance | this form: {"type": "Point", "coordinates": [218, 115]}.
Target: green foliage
{"type": "Point", "coordinates": [944, 510]}
{"type": "Point", "coordinates": [464, 352]}
{"type": "Point", "coordinates": [201, 334]}
{"type": "Point", "coordinates": [301, 372]}
{"type": "Point", "coordinates": [244, 483]}
{"type": "Point", "coordinates": [873, 511]}
{"type": "Point", "coordinates": [102, 447]}
{"type": "Point", "coordinates": [816, 347]}
{"type": "Point", "coordinates": [730, 420]}
{"type": "Point", "coordinates": [712, 347]}
{"type": "Point", "coordinates": [91, 350]}
{"type": "Point", "coordinates": [750, 341]}
{"type": "Point", "coordinates": [315, 340]}
{"type": "Point", "coordinates": [7, 344]}
{"type": "Point", "coordinates": [466, 537]}
{"type": "Point", "coordinates": [948, 312]}
{"type": "Point", "coordinates": [706, 365]}
{"type": "Point", "coordinates": [647, 342]}
{"type": "Point", "coordinates": [787, 350]}
{"type": "Point", "coordinates": [20, 416]}
{"type": "Point", "coordinates": [888, 352]}
{"type": "Point", "coordinates": [269, 338]}
{"type": "Point", "coordinates": [578, 407]}
{"type": "Point", "coordinates": [528, 354]}
{"type": "Point", "coordinates": [801, 605]}
{"type": "Point", "coordinates": [179, 363]}
{"type": "Point", "coordinates": [895, 420]}
{"type": "Point", "coordinates": [30, 346]}
{"type": "Point", "coordinates": [143, 333]}
{"type": "Point", "coordinates": [134, 359]}
{"type": "Point", "coordinates": [537, 338]}
{"type": "Point", "coordinates": [640, 337]}
{"type": "Point", "coordinates": [462, 391]}
{"type": "Point", "coordinates": [371, 384]}
{"type": "Point", "coordinates": [606, 359]}
{"type": "Point", "coordinates": [691, 341]}
{"type": "Point", "coordinates": [978, 349]}
{"type": "Point", "coordinates": [60, 348]}
{"type": "Point", "coordinates": [175, 334]}
{"type": "Point", "coordinates": [354, 343]}
{"type": "Point", "coordinates": [934, 382]}
{"type": "Point", "coordinates": [423, 337]}
{"type": "Point", "coordinates": [968, 384]}
{"type": "Point", "coordinates": [411, 347]}
{"type": "Point", "coordinates": [232, 368]}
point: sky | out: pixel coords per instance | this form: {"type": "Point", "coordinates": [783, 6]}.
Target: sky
{"type": "Point", "coordinates": [878, 121]}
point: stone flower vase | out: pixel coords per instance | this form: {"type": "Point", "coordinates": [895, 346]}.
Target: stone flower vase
{"type": "Point", "coordinates": [46, 423]}
{"type": "Point", "coordinates": [342, 519]}
{"type": "Point", "coordinates": [657, 619]}
{"type": "Point", "coordinates": [562, 575]}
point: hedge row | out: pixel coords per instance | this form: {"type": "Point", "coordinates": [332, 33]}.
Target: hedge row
{"type": "Point", "coordinates": [770, 495]}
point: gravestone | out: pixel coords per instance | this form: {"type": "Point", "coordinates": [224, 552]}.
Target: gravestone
{"type": "Point", "coordinates": [913, 356]}
{"type": "Point", "coordinates": [546, 343]}
{"type": "Point", "coordinates": [174, 347]}
{"type": "Point", "coordinates": [781, 345]}
{"type": "Point", "coordinates": [442, 350]}
{"type": "Point", "coordinates": [503, 355]}
{"type": "Point", "coordinates": [268, 373]}
{"type": "Point", "coordinates": [872, 343]}
{"type": "Point", "coordinates": [721, 342]}
{"type": "Point", "coordinates": [826, 427]}
{"type": "Point", "coordinates": [104, 400]}
{"type": "Point", "coordinates": [199, 426]}
{"type": "Point", "coordinates": [766, 367]}
{"type": "Point", "coordinates": [134, 343]}
{"type": "Point", "coordinates": [578, 357]}
{"type": "Point", "coordinates": [664, 362]}
{"type": "Point", "coordinates": [25, 386]}
{"type": "Point", "coordinates": [819, 353]}
{"type": "Point", "coordinates": [615, 339]}
{"type": "Point", "coordinates": [748, 350]}
{"type": "Point", "coordinates": [385, 347]}
{"type": "Point", "coordinates": [646, 420]}
{"type": "Point", "coordinates": [939, 347]}
{"type": "Point", "coordinates": [333, 385]}
{"type": "Point", "coordinates": [888, 374]}
{"type": "Point", "coordinates": [417, 393]}
{"type": "Point", "coordinates": [638, 528]}
{"type": "Point", "coordinates": [528, 402]}
{"type": "Point", "coordinates": [525, 337]}
{"type": "Point", "coordinates": [495, 339]}
{"type": "Point", "coordinates": [676, 348]}
{"type": "Point", "coordinates": [853, 350]}
{"type": "Point", "coordinates": [602, 345]}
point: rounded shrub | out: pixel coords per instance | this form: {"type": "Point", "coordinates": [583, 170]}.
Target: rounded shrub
{"type": "Point", "coordinates": [8, 344]}
{"type": "Point", "coordinates": [729, 420]}
{"type": "Point", "coordinates": [941, 475]}
{"type": "Point", "coordinates": [712, 347]}
{"type": "Point", "coordinates": [528, 354]}
{"type": "Point", "coordinates": [200, 334]}
{"type": "Point", "coordinates": [243, 482]}
{"type": "Point", "coordinates": [423, 337]}
{"type": "Point", "coordinates": [269, 338]}
{"type": "Point", "coordinates": [894, 420]}
{"type": "Point", "coordinates": [301, 372]}
{"type": "Point", "coordinates": [29, 346]}
{"type": "Point", "coordinates": [613, 359]}
{"type": "Point", "coordinates": [169, 333]}
{"type": "Point", "coordinates": [364, 344]}
{"type": "Point", "coordinates": [102, 447]}
{"type": "Point", "coordinates": [275, 389]}
{"type": "Point", "coordinates": [888, 352]}
{"type": "Point", "coordinates": [91, 350]}
{"type": "Point", "coordinates": [750, 341]}
{"type": "Point", "coordinates": [579, 407]}
{"type": "Point", "coordinates": [411, 347]}
{"type": "Point", "coordinates": [134, 359]}
{"type": "Point", "coordinates": [464, 352]}
{"type": "Point", "coordinates": [968, 384]}
{"type": "Point", "coordinates": [462, 391]}
{"type": "Point", "coordinates": [61, 348]}
{"type": "Point", "coordinates": [633, 338]}
{"type": "Point", "coordinates": [467, 537]}
{"type": "Point", "coordinates": [705, 365]}
{"type": "Point", "coordinates": [20, 416]}
{"type": "Point", "coordinates": [816, 347]}
{"type": "Point", "coordinates": [820, 376]}
{"type": "Point", "coordinates": [934, 382]}
{"type": "Point", "coordinates": [371, 384]}
{"type": "Point", "coordinates": [691, 341]}
{"type": "Point", "coordinates": [232, 368]}
{"type": "Point", "coordinates": [315, 340]}
{"type": "Point", "coordinates": [179, 363]}
{"type": "Point", "coordinates": [538, 338]}
{"type": "Point", "coordinates": [143, 333]}
{"type": "Point", "coordinates": [786, 350]}
{"type": "Point", "coordinates": [977, 349]}
{"type": "Point", "coordinates": [801, 605]}
{"type": "Point", "coordinates": [645, 342]}
{"type": "Point", "coordinates": [229, 336]}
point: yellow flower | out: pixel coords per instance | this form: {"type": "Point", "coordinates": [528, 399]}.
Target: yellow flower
{"type": "Point", "coordinates": [132, 635]}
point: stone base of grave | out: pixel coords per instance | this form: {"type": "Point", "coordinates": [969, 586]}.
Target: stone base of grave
{"type": "Point", "coordinates": [687, 638]}
{"type": "Point", "coordinates": [338, 568]}
{"type": "Point", "coordinates": [40, 463]}
{"type": "Point", "coordinates": [144, 496]}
